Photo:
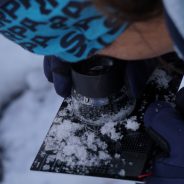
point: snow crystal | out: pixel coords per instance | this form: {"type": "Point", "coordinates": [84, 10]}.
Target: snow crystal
{"type": "Point", "coordinates": [161, 78]}
{"type": "Point", "coordinates": [132, 124]}
{"type": "Point", "coordinates": [122, 172]}
{"type": "Point", "coordinates": [131, 163]}
{"type": "Point", "coordinates": [117, 156]}
{"type": "Point", "coordinates": [46, 167]}
{"type": "Point", "coordinates": [50, 159]}
{"type": "Point", "coordinates": [79, 151]}
{"type": "Point", "coordinates": [103, 155]}
{"type": "Point", "coordinates": [66, 129]}
{"type": "Point", "coordinates": [109, 130]}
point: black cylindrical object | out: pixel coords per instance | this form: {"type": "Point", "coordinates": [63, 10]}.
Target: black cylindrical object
{"type": "Point", "coordinates": [98, 77]}
{"type": "Point", "coordinates": [99, 91]}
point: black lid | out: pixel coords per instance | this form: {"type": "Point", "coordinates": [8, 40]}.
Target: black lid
{"type": "Point", "coordinates": [98, 77]}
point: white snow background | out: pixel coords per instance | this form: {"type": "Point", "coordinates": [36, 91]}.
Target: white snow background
{"type": "Point", "coordinates": [27, 118]}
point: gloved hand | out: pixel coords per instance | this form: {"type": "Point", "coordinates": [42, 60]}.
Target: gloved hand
{"type": "Point", "coordinates": [169, 124]}
{"type": "Point", "coordinates": [138, 73]}
{"type": "Point", "coordinates": [59, 73]}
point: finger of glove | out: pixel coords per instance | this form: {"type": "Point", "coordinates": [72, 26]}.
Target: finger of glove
{"type": "Point", "coordinates": [165, 120]}
{"type": "Point", "coordinates": [137, 75]}
{"type": "Point", "coordinates": [47, 68]}
{"type": "Point", "coordinates": [62, 85]}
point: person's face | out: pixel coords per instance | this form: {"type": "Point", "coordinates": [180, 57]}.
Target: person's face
{"type": "Point", "coordinates": [141, 41]}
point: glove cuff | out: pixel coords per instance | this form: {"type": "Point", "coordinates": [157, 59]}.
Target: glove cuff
{"type": "Point", "coordinates": [164, 170]}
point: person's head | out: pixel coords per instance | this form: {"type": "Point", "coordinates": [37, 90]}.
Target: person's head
{"type": "Point", "coordinates": [147, 34]}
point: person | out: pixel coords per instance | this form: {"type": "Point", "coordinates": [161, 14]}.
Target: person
{"type": "Point", "coordinates": [126, 29]}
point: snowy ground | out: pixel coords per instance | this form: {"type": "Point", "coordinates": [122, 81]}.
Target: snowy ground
{"type": "Point", "coordinates": [27, 119]}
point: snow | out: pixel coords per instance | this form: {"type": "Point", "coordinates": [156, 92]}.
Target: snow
{"type": "Point", "coordinates": [182, 84]}
{"type": "Point", "coordinates": [15, 64]}
{"type": "Point", "coordinates": [24, 126]}
{"type": "Point", "coordinates": [109, 130]}
{"type": "Point", "coordinates": [74, 148]}
{"type": "Point", "coordinates": [27, 119]}
{"type": "Point", "coordinates": [122, 173]}
{"type": "Point", "coordinates": [117, 156]}
{"type": "Point", "coordinates": [161, 78]}
{"type": "Point", "coordinates": [132, 124]}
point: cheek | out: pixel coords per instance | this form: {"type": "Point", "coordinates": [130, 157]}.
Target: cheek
{"type": "Point", "coordinates": [136, 44]}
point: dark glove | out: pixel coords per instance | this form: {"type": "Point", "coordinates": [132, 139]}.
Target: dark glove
{"type": "Point", "coordinates": [138, 73]}
{"type": "Point", "coordinates": [59, 73]}
{"type": "Point", "coordinates": [169, 124]}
